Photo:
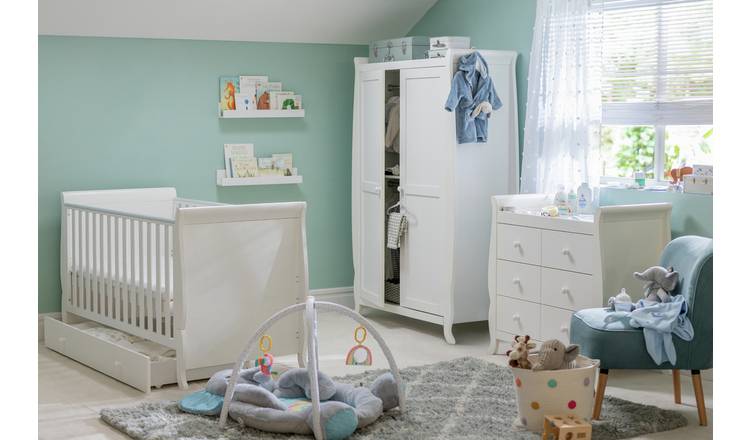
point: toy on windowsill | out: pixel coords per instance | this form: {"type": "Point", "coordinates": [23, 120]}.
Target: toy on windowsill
{"type": "Point", "coordinates": [519, 352]}
{"type": "Point", "coordinates": [265, 361]}
{"type": "Point", "coordinates": [566, 428]}
{"type": "Point", "coordinates": [660, 283]}
{"type": "Point", "coordinates": [359, 354]}
{"type": "Point", "coordinates": [554, 355]}
{"type": "Point", "coordinates": [678, 173]}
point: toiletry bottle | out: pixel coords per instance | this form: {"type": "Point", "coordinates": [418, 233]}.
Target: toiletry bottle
{"type": "Point", "coordinates": [584, 199]}
{"type": "Point", "coordinates": [560, 200]}
{"type": "Point", "coordinates": [572, 205]}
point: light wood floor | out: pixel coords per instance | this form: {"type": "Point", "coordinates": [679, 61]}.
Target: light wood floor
{"type": "Point", "coordinates": [71, 394]}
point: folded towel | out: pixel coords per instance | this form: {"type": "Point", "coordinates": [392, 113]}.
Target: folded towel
{"type": "Point", "coordinates": [396, 229]}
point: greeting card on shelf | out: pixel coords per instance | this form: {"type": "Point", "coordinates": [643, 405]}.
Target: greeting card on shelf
{"type": "Point", "coordinates": [248, 83]}
{"type": "Point", "coordinates": [283, 164]}
{"type": "Point", "coordinates": [245, 168]}
{"type": "Point", "coordinates": [277, 97]}
{"type": "Point", "coordinates": [245, 101]}
{"type": "Point", "coordinates": [263, 94]}
{"type": "Point", "coordinates": [293, 102]}
{"type": "Point", "coordinates": [228, 88]}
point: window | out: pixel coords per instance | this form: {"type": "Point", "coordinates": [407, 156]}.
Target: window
{"type": "Point", "coordinates": [657, 85]}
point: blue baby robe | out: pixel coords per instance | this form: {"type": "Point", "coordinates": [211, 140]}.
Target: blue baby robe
{"type": "Point", "coordinates": [471, 86]}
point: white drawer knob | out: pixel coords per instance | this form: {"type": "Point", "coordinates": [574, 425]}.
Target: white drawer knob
{"type": "Point", "coordinates": [564, 329]}
{"type": "Point", "coordinates": [516, 244]}
{"type": "Point", "coordinates": [118, 364]}
{"type": "Point", "coordinates": [61, 340]}
{"type": "Point", "coordinates": [566, 251]}
{"type": "Point", "coordinates": [517, 281]}
{"type": "Point", "coordinates": [516, 317]}
{"type": "Point", "coordinates": [565, 291]}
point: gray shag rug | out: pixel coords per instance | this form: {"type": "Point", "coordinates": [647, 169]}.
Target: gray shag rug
{"type": "Point", "coordinates": [465, 398]}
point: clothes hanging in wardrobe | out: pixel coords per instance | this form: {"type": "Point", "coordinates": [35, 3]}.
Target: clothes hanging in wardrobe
{"type": "Point", "coordinates": [392, 121]}
{"type": "Point", "coordinates": [391, 270]}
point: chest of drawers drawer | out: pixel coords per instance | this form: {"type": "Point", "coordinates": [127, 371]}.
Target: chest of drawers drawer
{"type": "Point", "coordinates": [568, 290]}
{"type": "Point", "coordinates": [517, 317]}
{"type": "Point", "coordinates": [568, 251]}
{"type": "Point", "coordinates": [555, 324]}
{"type": "Point", "coordinates": [518, 243]}
{"type": "Point", "coordinates": [518, 280]}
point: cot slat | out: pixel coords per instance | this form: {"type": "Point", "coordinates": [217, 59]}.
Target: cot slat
{"type": "Point", "coordinates": [142, 273]}
{"type": "Point", "coordinates": [168, 280]}
{"type": "Point", "coordinates": [117, 296]}
{"type": "Point", "coordinates": [85, 275]}
{"type": "Point", "coordinates": [149, 292]}
{"type": "Point", "coordinates": [157, 242]}
{"type": "Point", "coordinates": [74, 266]}
{"type": "Point", "coordinates": [131, 277]}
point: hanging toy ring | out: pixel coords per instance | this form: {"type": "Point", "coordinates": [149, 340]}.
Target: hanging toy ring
{"type": "Point", "coordinates": [265, 344]}
{"type": "Point", "coordinates": [357, 337]}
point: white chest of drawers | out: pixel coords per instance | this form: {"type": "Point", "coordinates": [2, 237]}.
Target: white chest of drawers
{"type": "Point", "coordinates": [542, 269]}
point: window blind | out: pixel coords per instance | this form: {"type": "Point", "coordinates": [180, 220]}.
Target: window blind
{"type": "Point", "coordinates": [657, 61]}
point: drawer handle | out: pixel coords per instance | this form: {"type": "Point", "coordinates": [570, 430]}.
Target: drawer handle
{"type": "Point", "coordinates": [61, 340]}
{"type": "Point", "coordinates": [517, 281]}
{"type": "Point", "coordinates": [566, 251]}
{"type": "Point", "coordinates": [565, 291]}
{"type": "Point", "coordinates": [516, 317]}
{"type": "Point", "coordinates": [564, 329]}
{"type": "Point", "coordinates": [517, 244]}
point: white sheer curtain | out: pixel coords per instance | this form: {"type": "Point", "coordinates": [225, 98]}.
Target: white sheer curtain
{"type": "Point", "coordinates": [563, 114]}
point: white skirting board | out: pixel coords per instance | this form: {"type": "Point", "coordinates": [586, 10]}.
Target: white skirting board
{"type": "Point", "coordinates": [339, 295]}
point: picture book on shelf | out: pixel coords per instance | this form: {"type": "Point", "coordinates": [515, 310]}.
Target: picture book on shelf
{"type": "Point", "coordinates": [283, 164]}
{"type": "Point", "coordinates": [245, 101]}
{"type": "Point", "coordinates": [276, 97]}
{"type": "Point", "coordinates": [291, 102]}
{"type": "Point", "coordinates": [265, 167]}
{"type": "Point", "coordinates": [234, 153]}
{"type": "Point", "coordinates": [245, 168]}
{"type": "Point", "coordinates": [263, 94]}
{"type": "Point", "coordinates": [228, 88]}
{"type": "Point", "coordinates": [248, 83]}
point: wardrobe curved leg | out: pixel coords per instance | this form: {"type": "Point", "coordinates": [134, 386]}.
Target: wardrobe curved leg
{"type": "Point", "coordinates": [448, 333]}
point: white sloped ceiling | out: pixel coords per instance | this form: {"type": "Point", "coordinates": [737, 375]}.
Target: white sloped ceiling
{"type": "Point", "coordinates": [298, 21]}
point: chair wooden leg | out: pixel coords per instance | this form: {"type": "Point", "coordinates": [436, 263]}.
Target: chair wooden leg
{"type": "Point", "coordinates": [601, 385]}
{"type": "Point", "coordinates": [699, 400]}
{"type": "Point", "coordinates": [676, 384]}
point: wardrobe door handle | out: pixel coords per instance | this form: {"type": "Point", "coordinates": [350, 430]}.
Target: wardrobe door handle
{"type": "Point", "coordinates": [377, 190]}
{"type": "Point", "coordinates": [565, 291]}
{"type": "Point", "coordinates": [517, 281]}
{"type": "Point", "coordinates": [564, 328]}
{"type": "Point", "coordinates": [566, 251]}
{"type": "Point", "coordinates": [516, 317]}
{"type": "Point", "coordinates": [517, 244]}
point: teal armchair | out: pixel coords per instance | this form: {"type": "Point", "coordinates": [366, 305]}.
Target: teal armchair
{"type": "Point", "coordinates": [619, 346]}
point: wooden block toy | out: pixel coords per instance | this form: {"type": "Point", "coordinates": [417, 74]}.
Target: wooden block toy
{"type": "Point", "coordinates": [566, 428]}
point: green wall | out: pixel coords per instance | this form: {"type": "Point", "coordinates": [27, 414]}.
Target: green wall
{"type": "Point", "coordinates": [123, 113]}
{"type": "Point", "coordinates": [491, 24]}
{"type": "Point", "coordinates": [692, 214]}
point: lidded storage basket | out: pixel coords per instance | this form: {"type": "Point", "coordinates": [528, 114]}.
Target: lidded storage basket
{"type": "Point", "coordinates": [555, 392]}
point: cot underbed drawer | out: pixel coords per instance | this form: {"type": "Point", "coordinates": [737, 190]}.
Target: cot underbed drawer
{"type": "Point", "coordinates": [128, 366]}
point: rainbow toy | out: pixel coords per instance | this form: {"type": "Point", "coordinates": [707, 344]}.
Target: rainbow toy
{"type": "Point", "coordinates": [265, 361]}
{"type": "Point", "coordinates": [359, 354]}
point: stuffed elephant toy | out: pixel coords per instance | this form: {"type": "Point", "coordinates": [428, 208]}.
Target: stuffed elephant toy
{"type": "Point", "coordinates": [554, 355]}
{"type": "Point", "coordinates": [660, 282]}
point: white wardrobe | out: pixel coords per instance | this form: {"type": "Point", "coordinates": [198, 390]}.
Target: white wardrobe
{"type": "Point", "coordinates": [443, 188]}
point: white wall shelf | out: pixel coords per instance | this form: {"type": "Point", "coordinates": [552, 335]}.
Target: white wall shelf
{"type": "Point", "coordinates": [249, 114]}
{"type": "Point", "coordinates": [223, 180]}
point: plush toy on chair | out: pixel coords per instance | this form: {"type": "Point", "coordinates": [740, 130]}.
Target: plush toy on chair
{"type": "Point", "coordinates": [660, 283]}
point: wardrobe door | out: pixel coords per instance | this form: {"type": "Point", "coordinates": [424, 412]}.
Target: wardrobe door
{"type": "Point", "coordinates": [425, 164]}
{"type": "Point", "coordinates": [371, 166]}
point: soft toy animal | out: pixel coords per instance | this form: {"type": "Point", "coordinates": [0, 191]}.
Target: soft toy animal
{"type": "Point", "coordinates": [660, 282]}
{"type": "Point", "coordinates": [554, 355]}
{"type": "Point", "coordinates": [519, 353]}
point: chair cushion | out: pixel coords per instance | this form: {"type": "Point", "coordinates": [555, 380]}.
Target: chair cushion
{"type": "Point", "coordinates": [608, 336]}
